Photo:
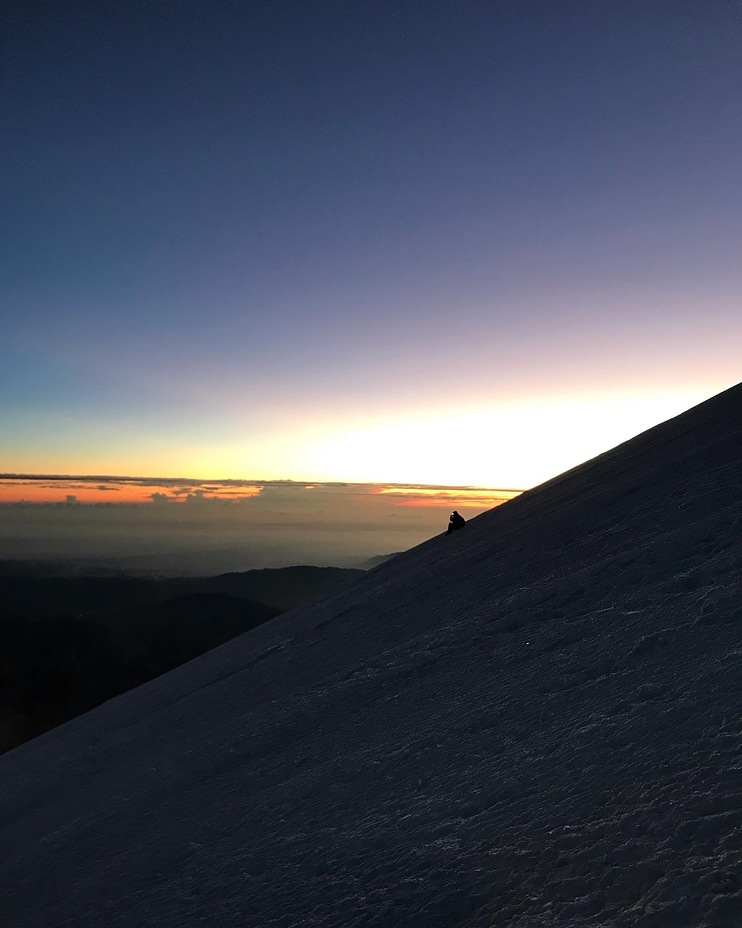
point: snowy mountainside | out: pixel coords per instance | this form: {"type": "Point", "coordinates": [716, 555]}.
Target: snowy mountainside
{"type": "Point", "coordinates": [534, 721]}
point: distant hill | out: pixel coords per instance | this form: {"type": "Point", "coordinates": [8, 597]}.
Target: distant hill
{"type": "Point", "coordinates": [30, 592]}
{"type": "Point", "coordinates": [54, 667]}
{"type": "Point", "coordinates": [379, 559]}
{"type": "Point", "coordinates": [282, 587]}
{"type": "Point", "coordinates": [69, 643]}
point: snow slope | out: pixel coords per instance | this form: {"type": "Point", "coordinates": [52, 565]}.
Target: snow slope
{"type": "Point", "coordinates": [534, 721]}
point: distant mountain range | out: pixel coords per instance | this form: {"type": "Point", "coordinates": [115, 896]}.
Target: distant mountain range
{"type": "Point", "coordinates": [69, 643]}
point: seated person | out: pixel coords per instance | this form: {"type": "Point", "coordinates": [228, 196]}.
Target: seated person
{"type": "Point", "coordinates": [455, 522]}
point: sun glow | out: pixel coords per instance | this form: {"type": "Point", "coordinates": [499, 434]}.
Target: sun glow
{"type": "Point", "coordinates": [512, 444]}
{"type": "Point", "coordinates": [520, 445]}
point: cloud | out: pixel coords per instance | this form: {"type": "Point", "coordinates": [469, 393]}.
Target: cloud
{"type": "Point", "coordinates": [171, 526]}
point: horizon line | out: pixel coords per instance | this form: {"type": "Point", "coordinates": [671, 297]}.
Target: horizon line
{"type": "Point", "coordinates": [241, 481]}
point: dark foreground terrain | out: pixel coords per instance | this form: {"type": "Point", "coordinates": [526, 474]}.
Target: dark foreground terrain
{"type": "Point", "coordinates": [69, 643]}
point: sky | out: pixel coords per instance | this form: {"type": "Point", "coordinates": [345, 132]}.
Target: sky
{"type": "Point", "coordinates": [466, 244]}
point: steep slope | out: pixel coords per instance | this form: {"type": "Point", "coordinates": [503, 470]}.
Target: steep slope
{"type": "Point", "coordinates": [534, 721]}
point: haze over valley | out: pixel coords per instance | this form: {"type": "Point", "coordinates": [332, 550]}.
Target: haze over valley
{"type": "Point", "coordinates": [182, 527]}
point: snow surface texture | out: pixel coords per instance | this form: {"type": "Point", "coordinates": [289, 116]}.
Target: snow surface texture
{"type": "Point", "coordinates": [534, 721]}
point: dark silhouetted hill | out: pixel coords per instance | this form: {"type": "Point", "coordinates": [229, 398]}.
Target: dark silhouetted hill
{"type": "Point", "coordinates": [282, 587]}
{"type": "Point", "coordinates": [25, 590]}
{"type": "Point", "coordinates": [54, 667]}
{"type": "Point", "coordinates": [69, 643]}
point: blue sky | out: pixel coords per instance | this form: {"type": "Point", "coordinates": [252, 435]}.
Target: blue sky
{"type": "Point", "coordinates": [318, 240]}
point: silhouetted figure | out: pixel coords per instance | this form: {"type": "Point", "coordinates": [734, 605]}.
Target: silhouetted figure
{"type": "Point", "coordinates": [455, 522]}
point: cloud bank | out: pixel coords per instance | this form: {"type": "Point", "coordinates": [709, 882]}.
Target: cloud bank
{"type": "Point", "coordinates": [176, 526]}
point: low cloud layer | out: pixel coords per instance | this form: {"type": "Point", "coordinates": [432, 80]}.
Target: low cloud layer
{"type": "Point", "coordinates": [192, 527]}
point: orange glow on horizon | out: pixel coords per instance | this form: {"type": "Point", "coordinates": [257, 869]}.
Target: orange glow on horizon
{"type": "Point", "coordinates": [75, 490]}
{"type": "Point", "coordinates": [454, 502]}
{"type": "Point", "coordinates": [453, 497]}
{"type": "Point", "coordinates": [71, 490]}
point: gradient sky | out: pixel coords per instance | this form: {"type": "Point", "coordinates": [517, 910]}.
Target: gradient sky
{"type": "Point", "coordinates": [430, 242]}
